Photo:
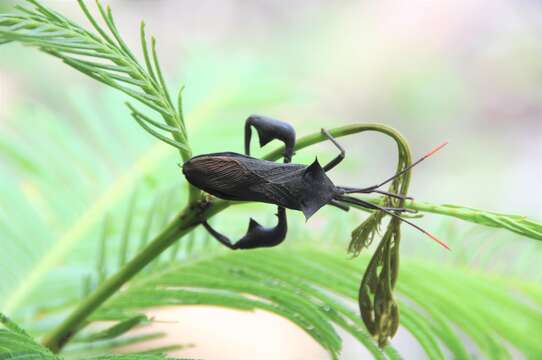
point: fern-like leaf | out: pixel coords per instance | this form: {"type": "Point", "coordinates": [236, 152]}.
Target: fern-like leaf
{"type": "Point", "coordinates": [104, 56]}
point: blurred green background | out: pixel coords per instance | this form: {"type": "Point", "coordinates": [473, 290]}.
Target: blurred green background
{"type": "Point", "coordinates": [467, 72]}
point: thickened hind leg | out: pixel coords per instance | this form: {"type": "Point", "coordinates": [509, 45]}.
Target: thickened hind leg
{"type": "Point", "coordinates": [257, 236]}
{"type": "Point", "coordinates": [269, 129]}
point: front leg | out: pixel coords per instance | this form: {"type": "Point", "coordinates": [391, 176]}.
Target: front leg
{"type": "Point", "coordinates": [269, 129]}
{"type": "Point", "coordinates": [257, 236]}
{"type": "Point", "coordinates": [339, 157]}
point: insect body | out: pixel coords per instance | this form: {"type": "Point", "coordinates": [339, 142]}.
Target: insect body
{"type": "Point", "coordinates": [233, 176]}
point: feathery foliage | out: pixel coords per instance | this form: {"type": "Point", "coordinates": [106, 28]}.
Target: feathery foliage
{"type": "Point", "coordinates": [105, 57]}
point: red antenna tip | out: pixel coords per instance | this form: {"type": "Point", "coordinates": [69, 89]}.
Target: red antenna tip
{"type": "Point", "coordinates": [442, 243]}
{"type": "Point", "coordinates": [436, 149]}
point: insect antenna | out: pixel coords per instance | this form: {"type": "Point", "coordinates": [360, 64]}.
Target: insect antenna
{"type": "Point", "coordinates": [368, 205]}
{"type": "Point", "coordinates": [374, 188]}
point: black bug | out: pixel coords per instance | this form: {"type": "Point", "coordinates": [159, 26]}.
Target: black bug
{"type": "Point", "coordinates": [233, 176]}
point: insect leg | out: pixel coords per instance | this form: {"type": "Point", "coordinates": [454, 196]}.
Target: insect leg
{"type": "Point", "coordinates": [269, 129]}
{"type": "Point", "coordinates": [394, 195]}
{"type": "Point", "coordinates": [257, 236]}
{"type": "Point", "coordinates": [345, 207]}
{"type": "Point", "coordinates": [348, 190]}
{"type": "Point", "coordinates": [401, 210]}
{"type": "Point", "coordinates": [221, 238]}
{"type": "Point", "coordinates": [339, 157]}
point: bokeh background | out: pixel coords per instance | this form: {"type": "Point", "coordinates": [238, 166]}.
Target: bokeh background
{"type": "Point", "coordinates": [467, 72]}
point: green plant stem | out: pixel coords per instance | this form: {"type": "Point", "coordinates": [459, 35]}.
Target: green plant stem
{"type": "Point", "coordinates": [182, 224]}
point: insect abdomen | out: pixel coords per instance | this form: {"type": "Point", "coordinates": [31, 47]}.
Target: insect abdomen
{"type": "Point", "coordinates": [233, 176]}
{"type": "Point", "coordinates": [222, 176]}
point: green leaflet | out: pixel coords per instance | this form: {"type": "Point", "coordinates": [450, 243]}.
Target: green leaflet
{"type": "Point", "coordinates": [17, 344]}
{"type": "Point", "coordinates": [116, 330]}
